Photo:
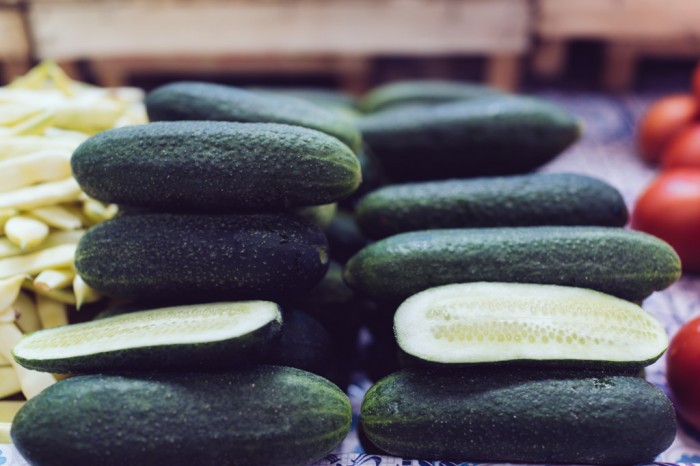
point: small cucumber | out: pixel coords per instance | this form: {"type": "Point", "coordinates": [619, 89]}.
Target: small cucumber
{"type": "Point", "coordinates": [421, 92]}
{"type": "Point", "coordinates": [496, 135]}
{"type": "Point", "coordinates": [266, 415]}
{"type": "Point", "coordinates": [476, 323]}
{"type": "Point", "coordinates": [623, 263]}
{"type": "Point", "coordinates": [205, 101]}
{"type": "Point", "coordinates": [215, 166]}
{"type": "Point", "coordinates": [520, 200]}
{"type": "Point", "coordinates": [212, 335]}
{"type": "Point", "coordinates": [188, 257]}
{"type": "Point", "coordinates": [515, 416]}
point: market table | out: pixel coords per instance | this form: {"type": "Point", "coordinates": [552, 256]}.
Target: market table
{"type": "Point", "coordinates": [606, 151]}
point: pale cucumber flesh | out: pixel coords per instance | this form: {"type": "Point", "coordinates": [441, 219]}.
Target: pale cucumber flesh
{"type": "Point", "coordinates": [178, 325]}
{"type": "Point", "coordinates": [499, 322]}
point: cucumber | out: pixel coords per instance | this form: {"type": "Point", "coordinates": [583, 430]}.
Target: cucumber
{"type": "Point", "coordinates": [519, 416]}
{"type": "Point", "coordinates": [303, 344]}
{"type": "Point", "coordinates": [520, 200]}
{"type": "Point", "coordinates": [266, 415]}
{"type": "Point", "coordinates": [421, 92]}
{"type": "Point", "coordinates": [476, 323]}
{"type": "Point", "coordinates": [319, 215]}
{"type": "Point", "coordinates": [189, 258]}
{"type": "Point", "coordinates": [623, 263]}
{"type": "Point", "coordinates": [330, 99]}
{"type": "Point", "coordinates": [203, 336]}
{"type": "Point", "coordinates": [497, 135]}
{"type": "Point", "coordinates": [215, 166]}
{"type": "Point", "coordinates": [204, 101]}
{"type": "Point", "coordinates": [344, 236]}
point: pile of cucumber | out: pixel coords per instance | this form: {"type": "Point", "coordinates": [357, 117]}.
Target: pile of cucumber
{"type": "Point", "coordinates": [512, 296]}
{"type": "Point", "coordinates": [508, 295]}
{"type": "Point", "coordinates": [218, 224]}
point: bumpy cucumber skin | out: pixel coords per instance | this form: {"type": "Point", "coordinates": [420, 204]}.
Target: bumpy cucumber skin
{"type": "Point", "coordinates": [488, 136]}
{"type": "Point", "coordinates": [215, 166]}
{"type": "Point", "coordinates": [624, 263]}
{"type": "Point", "coordinates": [520, 200]}
{"type": "Point", "coordinates": [199, 258]}
{"type": "Point", "coordinates": [205, 101]}
{"type": "Point", "coordinates": [519, 416]}
{"type": "Point", "coordinates": [225, 354]}
{"type": "Point", "coordinates": [425, 92]}
{"type": "Point", "coordinates": [267, 415]}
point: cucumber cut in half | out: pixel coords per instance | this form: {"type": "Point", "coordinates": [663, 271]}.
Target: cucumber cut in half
{"type": "Point", "coordinates": [473, 323]}
{"type": "Point", "coordinates": [200, 336]}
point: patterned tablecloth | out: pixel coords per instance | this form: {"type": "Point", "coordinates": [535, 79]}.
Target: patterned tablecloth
{"type": "Point", "coordinates": [606, 151]}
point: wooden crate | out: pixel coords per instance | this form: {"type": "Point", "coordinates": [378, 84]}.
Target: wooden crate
{"type": "Point", "coordinates": [205, 31]}
{"type": "Point", "coordinates": [14, 46]}
{"type": "Point", "coordinates": [630, 28]}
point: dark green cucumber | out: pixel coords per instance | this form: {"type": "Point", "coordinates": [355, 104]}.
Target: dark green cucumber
{"type": "Point", "coordinates": [330, 99]}
{"type": "Point", "coordinates": [372, 178]}
{"type": "Point", "coordinates": [497, 135]}
{"type": "Point", "coordinates": [176, 257]}
{"type": "Point", "coordinates": [421, 92]}
{"type": "Point", "coordinates": [303, 344]}
{"type": "Point", "coordinates": [624, 263]}
{"type": "Point", "coordinates": [344, 236]}
{"type": "Point", "coordinates": [520, 200]}
{"type": "Point", "coordinates": [190, 337]}
{"type": "Point", "coordinates": [205, 101]}
{"type": "Point", "coordinates": [215, 166]}
{"type": "Point", "coordinates": [513, 416]}
{"type": "Point", "coordinates": [468, 324]}
{"type": "Point", "coordinates": [267, 415]}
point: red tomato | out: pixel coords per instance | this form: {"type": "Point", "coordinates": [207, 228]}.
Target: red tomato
{"type": "Point", "coordinates": [662, 121]}
{"type": "Point", "coordinates": [670, 209]}
{"type": "Point", "coordinates": [696, 81]}
{"type": "Point", "coordinates": [684, 149]}
{"type": "Point", "coordinates": [683, 372]}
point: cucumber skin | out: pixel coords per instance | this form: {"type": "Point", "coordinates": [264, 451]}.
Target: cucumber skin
{"type": "Point", "coordinates": [520, 200]}
{"type": "Point", "coordinates": [217, 355]}
{"type": "Point", "coordinates": [497, 135]}
{"type": "Point", "coordinates": [266, 415]}
{"type": "Point", "coordinates": [190, 100]}
{"type": "Point", "coordinates": [421, 92]}
{"type": "Point", "coordinates": [198, 258]}
{"type": "Point", "coordinates": [218, 167]}
{"type": "Point", "coordinates": [519, 416]}
{"type": "Point", "coordinates": [623, 263]}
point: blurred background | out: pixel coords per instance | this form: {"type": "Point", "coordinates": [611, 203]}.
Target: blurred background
{"type": "Point", "coordinates": [607, 45]}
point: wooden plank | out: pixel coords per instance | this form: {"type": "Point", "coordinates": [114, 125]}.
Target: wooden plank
{"type": "Point", "coordinates": [14, 46]}
{"type": "Point", "coordinates": [615, 19]}
{"type": "Point", "coordinates": [65, 29]}
{"type": "Point", "coordinates": [13, 40]}
{"type": "Point", "coordinates": [503, 72]}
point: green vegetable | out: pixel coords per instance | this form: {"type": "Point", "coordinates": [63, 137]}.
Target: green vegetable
{"type": "Point", "coordinates": [623, 263]}
{"type": "Point", "coordinates": [477, 323]}
{"type": "Point", "coordinates": [266, 415]}
{"type": "Point", "coordinates": [187, 257]}
{"type": "Point", "coordinates": [304, 344]}
{"type": "Point", "coordinates": [519, 416]}
{"type": "Point", "coordinates": [421, 92]}
{"type": "Point", "coordinates": [215, 166]}
{"type": "Point", "coordinates": [496, 135]}
{"type": "Point", "coordinates": [201, 336]}
{"type": "Point", "coordinates": [205, 101]}
{"type": "Point", "coordinates": [521, 200]}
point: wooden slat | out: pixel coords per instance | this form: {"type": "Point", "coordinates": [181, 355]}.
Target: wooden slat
{"type": "Point", "coordinates": [618, 19]}
{"type": "Point", "coordinates": [66, 29]}
{"type": "Point", "coordinates": [13, 41]}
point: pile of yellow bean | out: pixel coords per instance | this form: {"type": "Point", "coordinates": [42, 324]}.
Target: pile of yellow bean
{"type": "Point", "coordinates": [44, 116]}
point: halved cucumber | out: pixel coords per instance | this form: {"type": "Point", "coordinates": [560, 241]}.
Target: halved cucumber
{"type": "Point", "coordinates": [211, 335]}
{"type": "Point", "coordinates": [498, 322]}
